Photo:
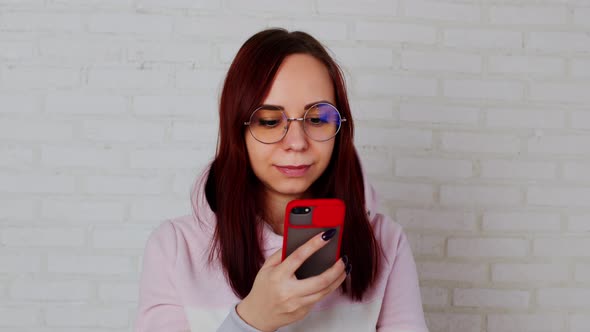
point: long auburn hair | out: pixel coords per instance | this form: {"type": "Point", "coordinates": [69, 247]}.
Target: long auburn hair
{"type": "Point", "coordinates": [235, 194]}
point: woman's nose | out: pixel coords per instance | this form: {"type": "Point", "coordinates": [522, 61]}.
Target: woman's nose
{"type": "Point", "coordinates": [295, 139]}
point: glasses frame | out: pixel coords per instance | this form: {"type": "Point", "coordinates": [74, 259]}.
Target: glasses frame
{"type": "Point", "coordinates": [289, 120]}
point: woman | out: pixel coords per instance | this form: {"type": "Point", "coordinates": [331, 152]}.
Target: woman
{"type": "Point", "coordinates": [220, 269]}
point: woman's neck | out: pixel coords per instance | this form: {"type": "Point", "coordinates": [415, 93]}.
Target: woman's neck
{"type": "Point", "coordinates": [275, 210]}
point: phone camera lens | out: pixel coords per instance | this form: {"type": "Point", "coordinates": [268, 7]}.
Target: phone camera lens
{"type": "Point", "coordinates": [300, 210]}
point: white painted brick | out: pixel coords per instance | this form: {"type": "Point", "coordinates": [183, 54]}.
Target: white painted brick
{"type": "Point", "coordinates": [479, 143]}
{"type": "Point", "coordinates": [562, 247]}
{"type": "Point", "coordinates": [118, 292]}
{"type": "Point", "coordinates": [172, 158]}
{"type": "Point", "coordinates": [84, 49]}
{"type": "Point", "coordinates": [579, 223]}
{"type": "Point", "coordinates": [522, 15]}
{"type": "Point", "coordinates": [40, 77]}
{"type": "Point", "coordinates": [124, 184]}
{"type": "Point", "coordinates": [580, 68]}
{"type": "Point", "coordinates": [376, 163]}
{"type": "Point", "coordinates": [50, 290]}
{"type": "Point", "coordinates": [557, 41]}
{"type": "Point", "coordinates": [393, 137]}
{"type": "Point", "coordinates": [32, 21]}
{"type": "Point", "coordinates": [437, 220]}
{"type": "Point", "coordinates": [203, 108]}
{"type": "Point", "coordinates": [92, 4]}
{"type": "Point", "coordinates": [19, 263]}
{"type": "Point", "coordinates": [130, 23]}
{"type": "Point", "coordinates": [81, 157]}
{"type": "Point", "coordinates": [72, 104]}
{"type": "Point", "coordinates": [17, 104]}
{"type": "Point", "coordinates": [196, 132]}
{"type": "Point", "coordinates": [35, 130]}
{"type": "Point", "coordinates": [560, 92]}
{"type": "Point", "coordinates": [39, 184]}
{"type": "Point", "coordinates": [538, 322]}
{"type": "Point", "coordinates": [482, 39]}
{"type": "Point", "coordinates": [124, 130]}
{"type": "Point", "coordinates": [204, 80]}
{"type": "Point", "coordinates": [433, 113]}
{"type": "Point", "coordinates": [19, 316]}
{"type": "Point", "coordinates": [497, 298]}
{"type": "Point", "coordinates": [518, 65]}
{"type": "Point", "coordinates": [395, 32]}
{"type": "Point", "coordinates": [453, 322]}
{"type": "Point", "coordinates": [560, 145]}
{"type": "Point", "coordinates": [43, 237]}
{"type": "Point", "coordinates": [405, 192]}
{"type": "Point", "coordinates": [579, 322]}
{"type": "Point", "coordinates": [198, 53]}
{"type": "Point", "coordinates": [258, 6]}
{"type": "Point", "coordinates": [179, 4]}
{"type": "Point", "coordinates": [131, 237]}
{"type": "Point", "coordinates": [86, 316]}
{"type": "Point", "coordinates": [373, 109]}
{"type": "Point", "coordinates": [362, 7]}
{"type": "Point", "coordinates": [320, 29]}
{"type": "Point", "coordinates": [16, 157]}
{"type": "Point", "coordinates": [433, 168]}
{"type": "Point", "coordinates": [16, 50]}
{"type": "Point", "coordinates": [389, 85]}
{"type": "Point", "coordinates": [184, 181]}
{"type": "Point", "coordinates": [439, 10]}
{"type": "Point", "coordinates": [512, 169]}
{"type": "Point", "coordinates": [487, 247]}
{"type": "Point", "coordinates": [581, 120]}
{"type": "Point", "coordinates": [529, 273]}
{"type": "Point", "coordinates": [89, 264]}
{"type": "Point", "coordinates": [576, 171]}
{"type": "Point", "coordinates": [440, 61]}
{"type": "Point", "coordinates": [466, 272]}
{"type": "Point", "coordinates": [349, 57]}
{"type": "Point", "coordinates": [240, 28]}
{"type": "Point", "coordinates": [128, 78]}
{"type": "Point", "coordinates": [521, 221]}
{"type": "Point", "coordinates": [582, 15]}
{"type": "Point", "coordinates": [514, 118]}
{"type": "Point", "coordinates": [559, 196]}
{"type": "Point", "coordinates": [77, 210]}
{"type": "Point", "coordinates": [228, 50]}
{"type": "Point", "coordinates": [564, 297]}
{"type": "Point", "coordinates": [479, 195]}
{"type": "Point", "coordinates": [582, 273]}
{"type": "Point", "coordinates": [485, 89]}
{"type": "Point", "coordinates": [158, 208]}
{"type": "Point", "coordinates": [426, 245]}
{"type": "Point", "coordinates": [434, 296]}
{"type": "Point", "coordinates": [16, 209]}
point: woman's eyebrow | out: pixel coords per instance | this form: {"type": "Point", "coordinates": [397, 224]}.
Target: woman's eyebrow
{"type": "Point", "coordinates": [279, 107]}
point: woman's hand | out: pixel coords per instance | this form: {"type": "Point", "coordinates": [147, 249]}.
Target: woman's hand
{"type": "Point", "coordinates": [278, 298]}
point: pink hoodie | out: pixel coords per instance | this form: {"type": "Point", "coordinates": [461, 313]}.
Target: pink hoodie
{"type": "Point", "coordinates": [179, 291]}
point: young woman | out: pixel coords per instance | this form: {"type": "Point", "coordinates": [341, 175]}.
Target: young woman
{"type": "Point", "coordinates": [220, 269]}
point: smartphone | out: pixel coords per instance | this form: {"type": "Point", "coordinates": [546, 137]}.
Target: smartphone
{"type": "Point", "coordinates": [306, 218]}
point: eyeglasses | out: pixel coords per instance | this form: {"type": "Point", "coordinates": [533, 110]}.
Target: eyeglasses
{"type": "Point", "coordinates": [321, 122]}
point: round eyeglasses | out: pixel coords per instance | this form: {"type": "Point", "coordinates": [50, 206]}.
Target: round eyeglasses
{"type": "Point", "coordinates": [321, 122]}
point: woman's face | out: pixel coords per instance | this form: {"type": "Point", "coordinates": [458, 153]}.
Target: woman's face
{"type": "Point", "coordinates": [289, 167]}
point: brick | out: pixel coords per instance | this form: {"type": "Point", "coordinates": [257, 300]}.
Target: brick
{"type": "Point", "coordinates": [389, 85]}
{"type": "Point", "coordinates": [482, 39]}
{"type": "Point", "coordinates": [510, 118]}
{"type": "Point", "coordinates": [363, 57]}
{"type": "Point", "coordinates": [204, 81]}
{"type": "Point", "coordinates": [16, 209]}
{"type": "Point", "coordinates": [124, 185]}
{"type": "Point", "coordinates": [89, 264]}
{"type": "Point", "coordinates": [573, 145]}
{"type": "Point", "coordinates": [582, 15]}
{"type": "Point", "coordinates": [479, 143]}
{"type": "Point", "coordinates": [394, 32]}
{"type": "Point", "coordinates": [32, 21]}
{"type": "Point", "coordinates": [373, 109]}
{"type": "Point", "coordinates": [16, 157]}
{"type": "Point", "coordinates": [440, 61]}
{"type": "Point", "coordinates": [43, 237]}
{"type": "Point", "coordinates": [518, 65]}
{"type": "Point", "coordinates": [579, 223]}
{"type": "Point", "coordinates": [565, 246]}
{"type": "Point", "coordinates": [77, 210]}
{"type": "Point", "coordinates": [35, 130]}
{"type": "Point", "coordinates": [179, 4]}
{"type": "Point", "coordinates": [405, 192]}
{"type": "Point", "coordinates": [457, 195]}
{"type": "Point", "coordinates": [536, 322]}
{"type": "Point", "coordinates": [323, 30]}
{"type": "Point", "coordinates": [426, 245]}
{"type": "Point", "coordinates": [576, 171]}
{"type": "Point", "coordinates": [124, 130]}
{"type": "Point", "coordinates": [393, 137]}
{"type": "Point", "coordinates": [130, 237]}
{"type": "Point", "coordinates": [582, 273]}
{"type": "Point", "coordinates": [363, 7]}
{"type": "Point", "coordinates": [581, 120]}
{"type": "Point", "coordinates": [83, 49]}
{"type": "Point", "coordinates": [445, 271]}
{"type": "Point", "coordinates": [557, 41]}
{"type": "Point", "coordinates": [74, 315]}
{"type": "Point", "coordinates": [376, 163]}
{"type": "Point", "coordinates": [433, 113]}
{"type": "Point", "coordinates": [512, 169]}
{"type": "Point", "coordinates": [158, 208]}
{"type": "Point", "coordinates": [38, 184]}
{"type": "Point", "coordinates": [196, 132]}
{"type": "Point", "coordinates": [209, 28]}
{"type": "Point", "coordinates": [529, 273]}
{"type": "Point", "coordinates": [165, 159]}
{"type": "Point", "coordinates": [433, 168]}
{"type": "Point", "coordinates": [17, 104]}
{"type": "Point", "coordinates": [197, 53]}
{"type": "Point", "coordinates": [487, 247]}
{"type": "Point", "coordinates": [16, 50]}
{"type": "Point", "coordinates": [564, 297]}
{"type": "Point", "coordinates": [559, 196]}
{"type": "Point", "coordinates": [184, 181]}
{"type": "Point", "coordinates": [118, 292]}
{"type": "Point", "coordinates": [21, 263]}
{"type": "Point", "coordinates": [526, 15]}
{"type": "Point", "coordinates": [580, 68]}
{"type": "Point", "coordinates": [130, 23]}
{"type": "Point", "coordinates": [579, 322]}
{"type": "Point", "coordinates": [81, 157]}
{"type": "Point", "coordinates": [19, 315]}
{"type": "Point", "coordinates": [285, 6]}
{"type": "Point", "coordinates": [50, 290]}
{"type": "Point", "coordinates": [453, 322]}
{"type": "Point", "coordinates": [438, 10]}
{"type": "Point", "coordinates": [203, 108]}
{"type": "Point", "coordinates": [128, 78]}
{"type": "Point", "coordinates": [71, 104]}
{"type": "Point", "coordinates": [438, 220]}
{"type": "Point", "coordinates": [491, 298]}
{"type": "Point", "coordinates": [18, 76]}
{"type": "Point", "coordinates": [559, 92]}
{"type": "Point", "coordinates": [434, 296]}
{"type": "Point", "coordinates": [521, 221]}
{"type": "Point", "coordinates": [484, 89]}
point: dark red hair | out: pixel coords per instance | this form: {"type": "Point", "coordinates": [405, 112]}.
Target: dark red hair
{"type": "Point", "coordinates": [235, 194]}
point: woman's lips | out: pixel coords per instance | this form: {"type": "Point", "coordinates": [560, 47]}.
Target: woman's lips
{"type": "Point", "coordinates": [293, 171]}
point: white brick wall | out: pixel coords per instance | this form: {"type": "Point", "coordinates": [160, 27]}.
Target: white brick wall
{"type": "Point", "coordinates": [472, 118]}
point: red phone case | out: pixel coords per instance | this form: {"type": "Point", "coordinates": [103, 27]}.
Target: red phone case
{"type": "Point", "coordinates": [324, 214]}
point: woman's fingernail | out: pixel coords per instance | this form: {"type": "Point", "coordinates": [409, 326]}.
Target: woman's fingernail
{"type": "Point", "coordinates": [345, 259]}
{"type": "Point", "coordinates": [329, 234]}
{"type": "Point", "coordinates": [348, 268]}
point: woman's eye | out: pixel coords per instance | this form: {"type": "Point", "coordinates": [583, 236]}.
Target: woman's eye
{"type": "Point", "coordinates": [268, 123]}
{"type": "Point", "coordinates": [315, 121]}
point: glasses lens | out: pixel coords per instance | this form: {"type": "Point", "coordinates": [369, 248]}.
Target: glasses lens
{"type": "Point", "coordinates": [267, 125]}
{"type": "Point", "coordinates": [322, 122]}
